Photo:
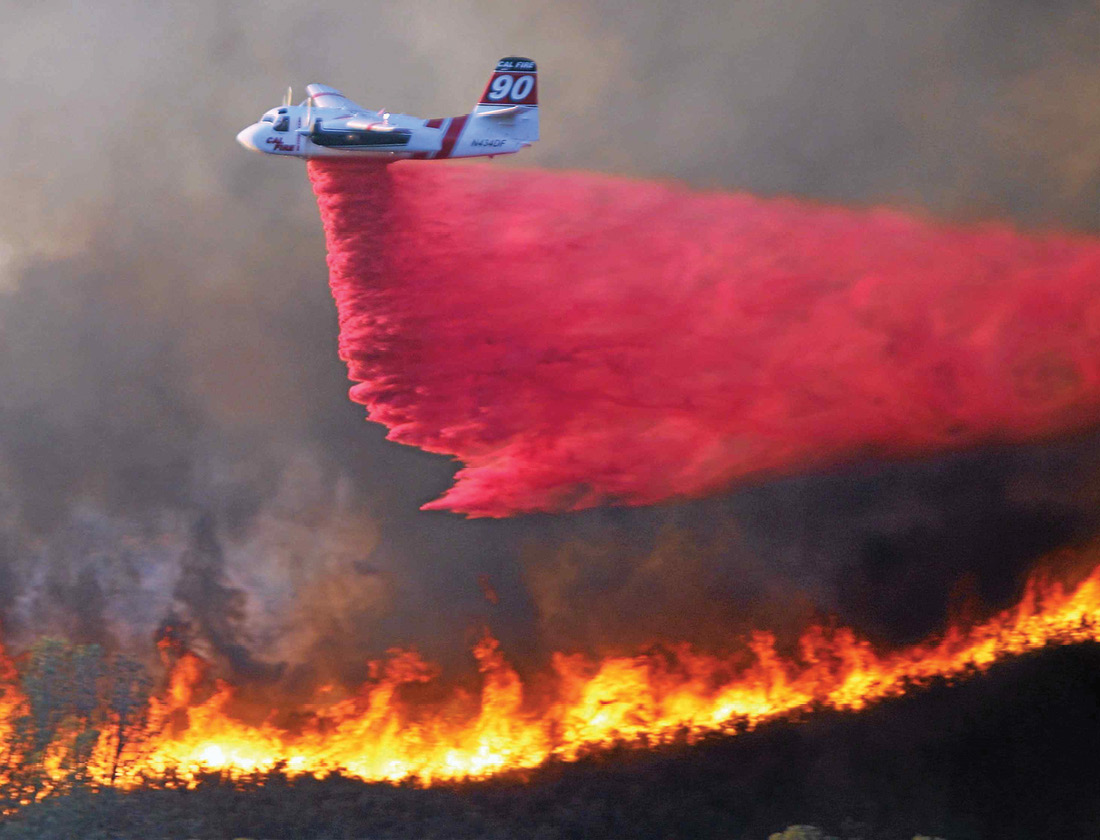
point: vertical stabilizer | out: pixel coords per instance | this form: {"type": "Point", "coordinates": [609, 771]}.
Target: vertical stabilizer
{"type": "Point", "coordinates": [511, 100]}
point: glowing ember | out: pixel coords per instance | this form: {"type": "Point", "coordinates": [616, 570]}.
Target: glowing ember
{"type": "Point", "coordinates": [655, 697]}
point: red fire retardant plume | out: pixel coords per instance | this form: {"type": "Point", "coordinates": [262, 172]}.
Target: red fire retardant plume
{"type": "Point", "coordinates": [578, 339]}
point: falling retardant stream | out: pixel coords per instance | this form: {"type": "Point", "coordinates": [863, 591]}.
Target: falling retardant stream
{"type": "Point", "coordinates": [577, 339]}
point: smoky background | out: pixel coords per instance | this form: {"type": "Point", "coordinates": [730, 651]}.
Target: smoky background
{"type": "Point", "coordinates": [176, 443]}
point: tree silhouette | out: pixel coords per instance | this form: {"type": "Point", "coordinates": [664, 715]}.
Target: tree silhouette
{"type": "Point", "coordinates": [128, 707]}
{"type": "Point", "coordinates": [80, 718]}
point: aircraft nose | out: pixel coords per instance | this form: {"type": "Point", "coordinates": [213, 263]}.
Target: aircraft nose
{"type": "Point", "coordinates": [249, 137]}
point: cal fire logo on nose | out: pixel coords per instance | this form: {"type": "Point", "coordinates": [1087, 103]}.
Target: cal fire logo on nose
{"type": "Point", "coordinates": [279, 145]}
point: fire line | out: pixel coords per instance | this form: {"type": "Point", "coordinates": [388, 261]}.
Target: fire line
{"type": "Point", "coordinates": [667, 693]}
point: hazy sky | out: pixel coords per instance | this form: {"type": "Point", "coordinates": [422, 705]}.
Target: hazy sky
{"type": "Point", "coordinates": [175, 436]}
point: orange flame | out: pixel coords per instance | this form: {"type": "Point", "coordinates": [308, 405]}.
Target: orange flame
{"type": "Point", "coordinates": [11, 702]}
{"type": "Point", "coordinates": [654, 697]}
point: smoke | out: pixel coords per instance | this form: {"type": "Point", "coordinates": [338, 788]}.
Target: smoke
{"type": "Point", "coordinates": [577, 340]}
{"type": "Point", "coordinates": [167, 351]}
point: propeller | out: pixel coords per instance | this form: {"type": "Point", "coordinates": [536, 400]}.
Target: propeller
{"type": "Point", "coordinates": [288, 97]}
{"type": "Point", "coordinates": [307, 123]}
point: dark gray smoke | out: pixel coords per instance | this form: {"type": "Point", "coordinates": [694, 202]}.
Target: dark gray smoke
{"type": "Point", "coordinates": [175, 436]}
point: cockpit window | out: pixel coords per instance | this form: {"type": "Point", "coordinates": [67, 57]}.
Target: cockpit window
{"type": "Point", "coordinates": [267, 118]}
{"type": "Point", "coordinates": [283, 124]}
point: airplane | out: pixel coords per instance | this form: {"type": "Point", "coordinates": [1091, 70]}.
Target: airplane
{"type": "Point", "coordinates": [328, 124]}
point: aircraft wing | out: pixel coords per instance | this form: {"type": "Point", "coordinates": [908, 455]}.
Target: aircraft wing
{"type": "Point", "coordinates": [367, 123]}
{"type": "Point", "coordinates": [329, 97]}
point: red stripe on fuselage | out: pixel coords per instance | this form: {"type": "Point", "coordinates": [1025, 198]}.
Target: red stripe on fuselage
{"type": "Point", "coordinates": [436, 123]}
{"type": "Point", "coordinates": [451, 137]}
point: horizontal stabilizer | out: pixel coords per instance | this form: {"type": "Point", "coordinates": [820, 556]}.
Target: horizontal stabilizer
{"type": "Point", "coordinates": [503, 112]}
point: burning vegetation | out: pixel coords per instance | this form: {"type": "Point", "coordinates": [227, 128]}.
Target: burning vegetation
{"type": "Point", "coordinates": [75, 718]}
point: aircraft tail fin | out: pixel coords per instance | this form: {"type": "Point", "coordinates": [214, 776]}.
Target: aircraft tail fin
{"type": "Point", "coordinates": [511, 99]}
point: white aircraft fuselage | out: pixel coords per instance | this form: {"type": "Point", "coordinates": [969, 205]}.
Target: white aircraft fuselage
{"type": "Point", "coordinates": [328, 124]}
